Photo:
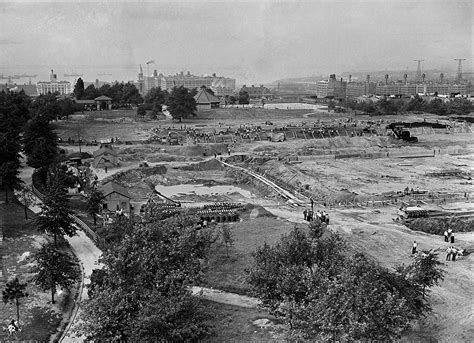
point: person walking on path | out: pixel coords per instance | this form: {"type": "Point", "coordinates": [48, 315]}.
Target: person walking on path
{"type": "Point", "coordinates": [446, 236]}
{"type": "Point", "coordinates": [454, 253]}
{"type": "Point", "coordinates": [413, 250]}
{"type": "Point", "coordinates": [452, 239]}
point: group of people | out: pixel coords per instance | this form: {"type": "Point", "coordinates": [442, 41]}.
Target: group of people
{"type": "Point", "coordinates": [322, 216]}
{"type": "Point", "coordinates": [449, 236]}
{"type": "Point", "coordinates": [452, 253]}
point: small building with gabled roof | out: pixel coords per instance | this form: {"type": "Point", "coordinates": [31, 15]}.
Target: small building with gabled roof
{"type": "Point", "coordinates": [205, 100]}
{"type": "Point", "coordinates": [116, 197]}
{"type": "Point", "coordinates": [106, 156]}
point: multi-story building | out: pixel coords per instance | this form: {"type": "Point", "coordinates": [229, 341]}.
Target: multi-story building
{"type": "Point", "coordinates": [331, 88]}
{"type": "Point", "coordinates": [412, 89]}
{"type": "Point", "coordinates": [45, 87]}
{"type": "Point", "coordinates": [220, 85]}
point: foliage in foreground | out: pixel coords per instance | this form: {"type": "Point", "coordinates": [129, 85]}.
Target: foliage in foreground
{"type": "Point", "coordinates": [142, 293]}
{"type": "Point", "coordinates": [54, 268]}
{"type": "Point", "coordinates": [326, 293]}
{"type": "Point", "coordinates": [13, 292]}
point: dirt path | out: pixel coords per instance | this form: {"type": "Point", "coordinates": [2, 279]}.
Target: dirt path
{"type": "Point", "coordinates": [225, 297]}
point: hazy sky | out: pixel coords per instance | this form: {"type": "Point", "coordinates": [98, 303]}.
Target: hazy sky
{"type": "Point", "coordinates": [255, 42]}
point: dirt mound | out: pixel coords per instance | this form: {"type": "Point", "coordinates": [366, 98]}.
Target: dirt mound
{"type": "Point", "coordinates": [212, 164]}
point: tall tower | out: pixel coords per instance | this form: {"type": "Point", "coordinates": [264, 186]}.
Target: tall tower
{"type": "Point", "coordinates": [141, 81]}
{"type": "Point", "coordinates": [459, 78]}
{"type": "Point", "coordinates": [418, 70]}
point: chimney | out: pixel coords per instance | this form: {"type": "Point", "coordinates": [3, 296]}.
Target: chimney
{"type": "Point", "coordinates": [350, 78]}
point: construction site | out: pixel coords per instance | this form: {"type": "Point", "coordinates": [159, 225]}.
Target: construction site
{"type": "Point", "coordinates": [258, 170]}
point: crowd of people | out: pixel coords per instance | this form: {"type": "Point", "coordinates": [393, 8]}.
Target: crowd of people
{"type": "Point", "coordinates": [322, 216]}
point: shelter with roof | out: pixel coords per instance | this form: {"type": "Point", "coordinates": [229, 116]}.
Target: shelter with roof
{"type": "Point", "coordinates": [205, 100]}
{"type": "Point", "coordinates": [100, 103]}
{"type": "Point", "coordinates": [116, 197]}
{"type": "Point", "coordinates": [106, 156]}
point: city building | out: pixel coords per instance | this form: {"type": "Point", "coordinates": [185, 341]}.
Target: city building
{"type": "Point", "coordinates": [221, 86]}
{"type": "Point", "coordinates": [411, 89]}
{"type": "Point", "coordinates": [53, 85]}
{"type": "Point", "coordinates": [257, 92]}
{"type": "Point", "coordinates": [331, 88]}
{"type": "Point", "coordinates": [105, 157]}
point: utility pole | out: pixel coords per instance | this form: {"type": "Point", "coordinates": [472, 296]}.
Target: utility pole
{"type": "Point", "coordinates": [418, 70]}
{"type": "Point", "coordinates": [459, 78]}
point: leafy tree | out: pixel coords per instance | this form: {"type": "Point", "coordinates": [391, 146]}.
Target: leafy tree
{"type": "Point", "coordinates": [331, 105]}
{"type": "Point", "coordinates": [425, 270]}
{"type": "Point", "coordinates": [316, 229]}
{"type": "Point", "coordinates": [232, 100]}
{"type": "Point", "coordinates": [54, 268]}
{"type": "Point", "coordinates": [143, 294]}
{"type": "Point", "coordinates": [94, 203]}
{"type": "Point", "coordinates": [55, 215]}
{"type": "Point", "coordinates": [90, 93]}
{"type": "Point", "coordinates": [387, 106]}
{"type": "Point", "coordinates": [10, 143]}
{"type": "Point", "coordinates": [40, 143]}
{"type": "Point", "coordinates": [326, 293]}
{"type": "Point", "coordinates": [141, 111]}
{"type": "Point", "coordinates": [227, 237]}
{"type": "Point", "coordinates": [460, 106]}
{"type": "Point", "coordinates": [244, 97]}
{"type": "Point", "coordinates": [14, 291]}
{"type": "Point", "coordinates": [181, 103]}
{"type": "Point", "coordinates": [79, 89]}
{"type": "Point", "coordinates": [416, 104]}
{"type": "Point", "coordinates": [66, 108]}
{"type": "Point", "coordinates": [156, 97]}
{"type": "Point", "coordinates": [437, 106]}
{"type": "Point", "coordinates": [130, 94]}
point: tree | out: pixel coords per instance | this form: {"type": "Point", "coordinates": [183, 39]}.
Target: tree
{"type": "Point", "coordinates": [417, 103]}
{"type": "Point", "coordinates": [14, 291]}
{"type": "Point", "coordinates": [142, 295]}
{"type": "Point", "coordinates": [437, 106]}
{"type": "Point", "coordinates": [425, 270]}
{"type": "Point", "coordinates": [227, 237]}
{"type": "Point", "coordinates": [40, 143]}
{"type": "Point", "coordinates": [90, 93]}
{"type": "Point", "coordinates": [232, 100]}
{"type": "Point", "coordinates": [79, 89]}
{"type": "Point", "coordinates": [54, 268]}
{"type": "Point", "coordinates": [55, 215]}
{"type": "Point", "coordinates": [460, 106]}
{"type": "Point", "coordinates": [156, 97]}
{"type": "Point", "coordinates": [244, 97]}
{"type": "Point", "coordinates": [181, 103]}
{"type": "Point", "coordinates": [10, 147]}
{"type": "Point", "coordinates": [94, 203]}
{"type": "Point", "coordinates": [327, 293]}
{"type": "Point", "coordinates": [331, 105]}
{"type": "Point", "coordinates": [66, 108]}
{"type": "Point", "coordinates": [130, 94]}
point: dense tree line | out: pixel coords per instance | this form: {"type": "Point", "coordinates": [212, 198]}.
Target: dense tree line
{"type": "Point", "coordinates": [457, 106]}
{"type": "Point", "coordinates": [180, 102]}
{"type": "Point", "coordinates": [325, 292]}
{"type": "Point", "coordinates": [121, 93]}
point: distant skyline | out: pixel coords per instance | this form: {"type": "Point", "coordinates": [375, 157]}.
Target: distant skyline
{"type": "Point", "coordinates": [253, 42]}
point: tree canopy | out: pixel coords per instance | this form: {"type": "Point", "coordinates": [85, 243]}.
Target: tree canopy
{"type": "Point", "coordinates": [79, 89]}
{"type": "Point", "coordinates": [13, 292]}
{"type": "Point", "coordinates": [326, 292]}
{"type": "Point", "coordinates": [181, 104]}
{"type": "Point", "coordinates": [142, 294]}
{"type": "Point", "coordinates": [40, 142]}
{"type": "Point", "coordinates": [244, 97]}
{"type": "Point", "coordinates": [54, 268]}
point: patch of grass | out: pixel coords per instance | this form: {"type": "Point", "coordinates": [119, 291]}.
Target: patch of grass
{"type": "Point", "coordinates": [234, 324]}
{"type": "Point", "coordinates": [228, 273]}
{"type": "Point", "coordinates": [39, 319]}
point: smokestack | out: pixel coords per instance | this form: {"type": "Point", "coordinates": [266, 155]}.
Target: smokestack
{"type": "Point", "coordinates": [423, 76]}
{"type": "Point", "coordinates": [405, 77]}
{"type": "Point", "coordinates": [368, 78]}
{"type": "Point", "coordinates": [386, 78]}
{"type": "Point", "coordinates": [441, 77]}
{"type": "Point", "coordinates": [350, 78]}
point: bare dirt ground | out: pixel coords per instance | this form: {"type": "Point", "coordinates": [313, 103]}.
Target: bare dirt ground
{"type": "Point", "coordinates": [369, 229]}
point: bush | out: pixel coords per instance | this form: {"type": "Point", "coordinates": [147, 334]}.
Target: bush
{"type": "Point", "coordinates": [437, 226]}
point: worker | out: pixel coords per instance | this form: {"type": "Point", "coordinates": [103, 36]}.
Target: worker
{"type": "Point", "coordinates": [413, 250]}
{"type": "Point", "coordinates": [446, 238]}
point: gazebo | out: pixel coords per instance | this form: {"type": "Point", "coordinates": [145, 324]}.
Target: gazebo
{"type": "Point", "coordinates": [103, 102]}
{"type": "Point", "coordinates": [205, 100]}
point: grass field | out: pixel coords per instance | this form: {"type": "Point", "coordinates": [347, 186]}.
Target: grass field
{"type": "Point", "coordinates": [39, 319]}
{"type": "Point", "coordinates": [234, 324]}
{"type": "Point", "coordinates": [228, 273]}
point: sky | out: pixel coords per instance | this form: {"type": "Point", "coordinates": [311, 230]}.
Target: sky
{"type": "Point", "coordinates": [252, 41]}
